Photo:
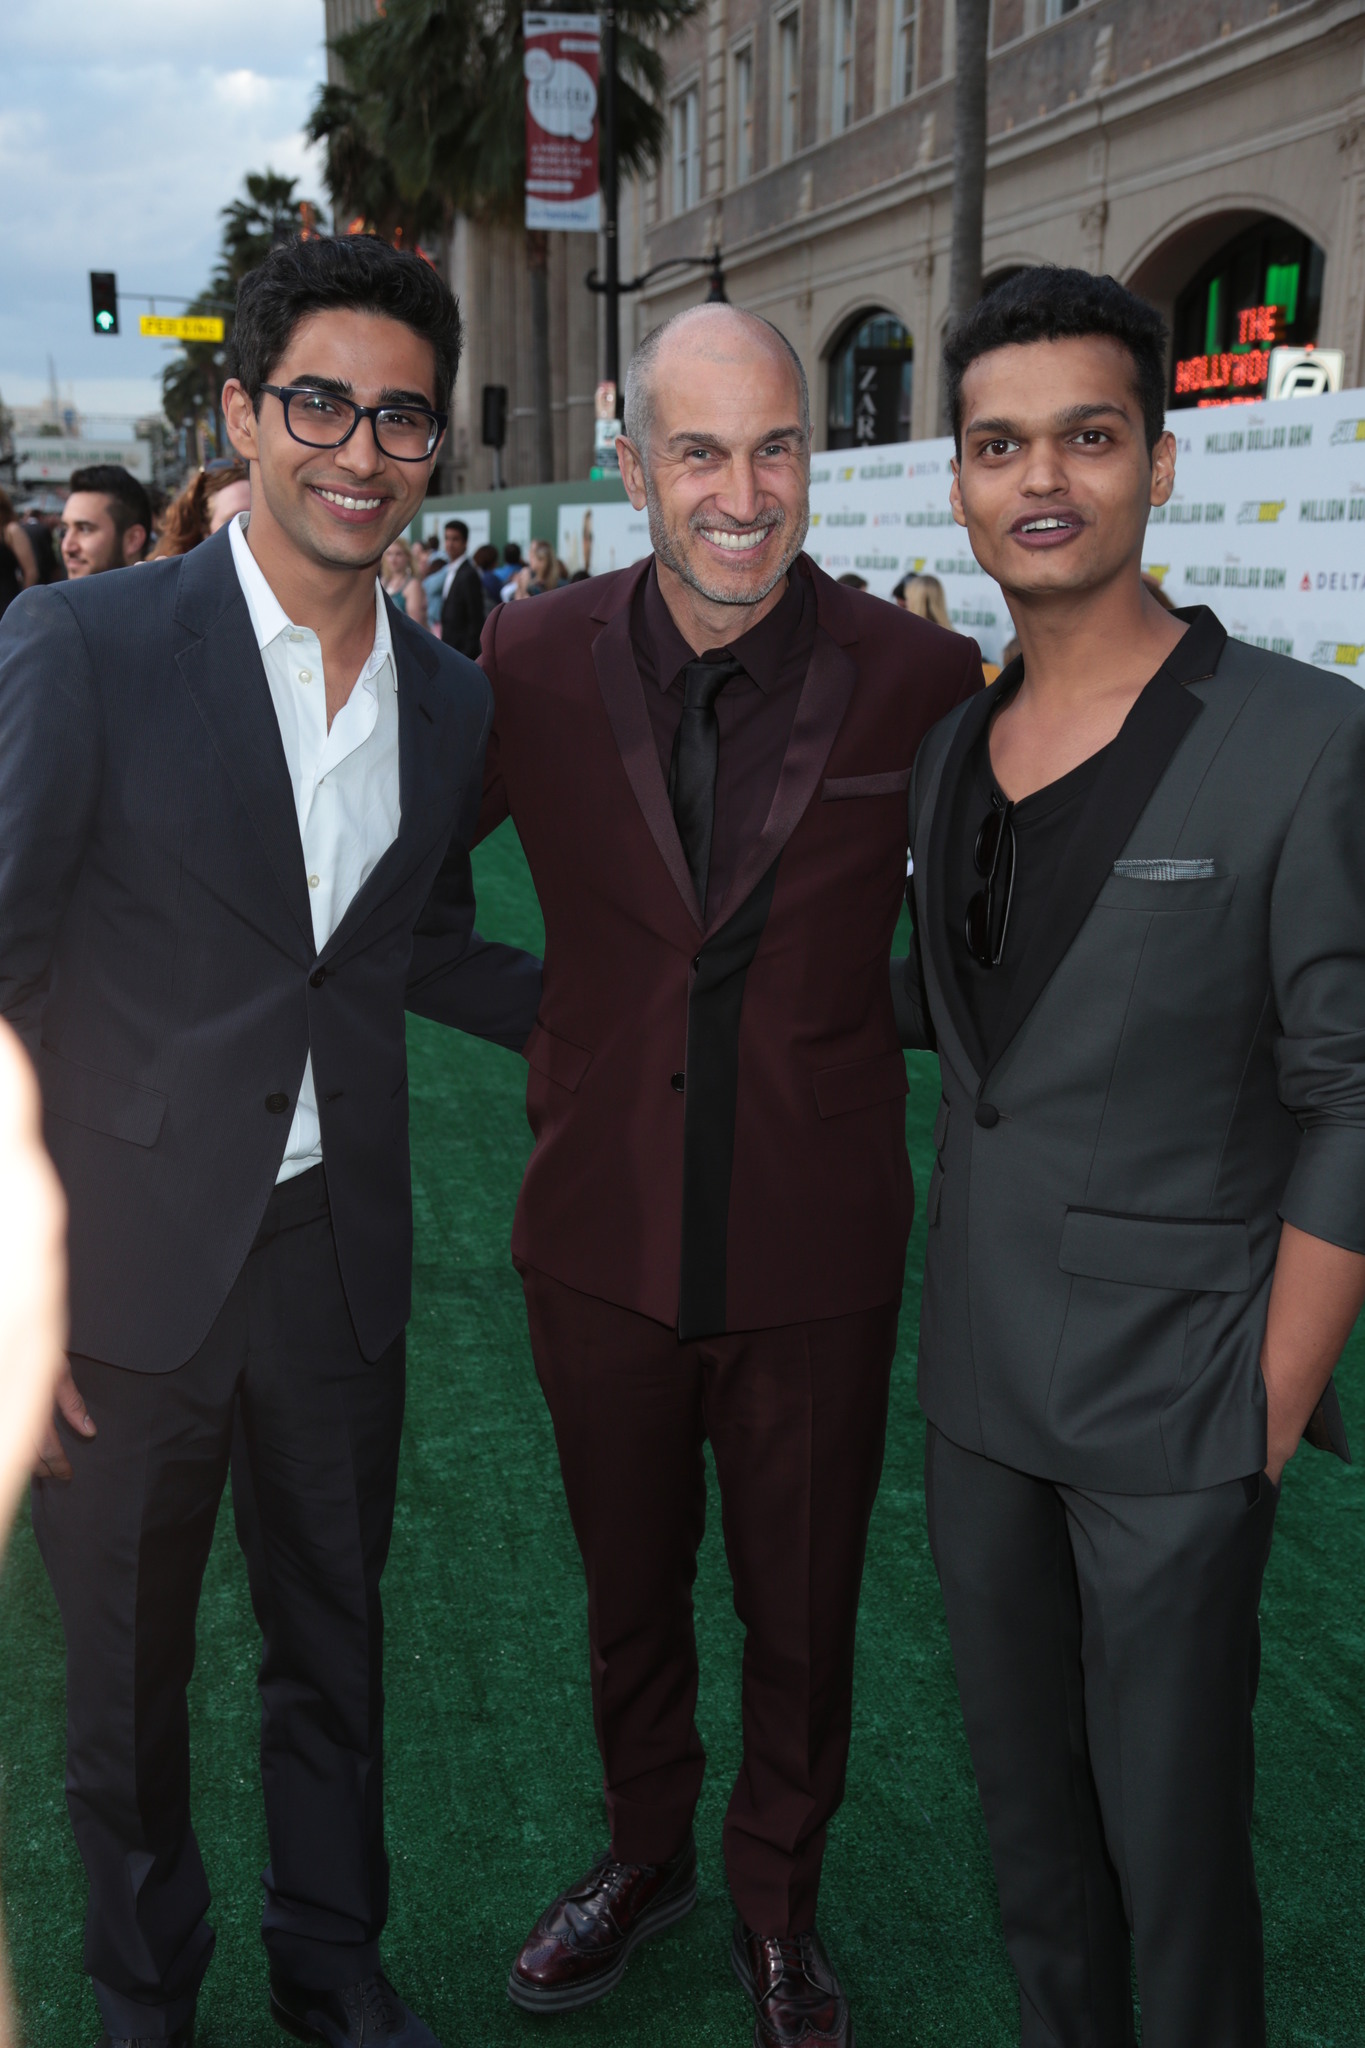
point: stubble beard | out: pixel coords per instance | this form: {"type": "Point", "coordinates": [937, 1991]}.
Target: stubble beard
{"type": "Point", "coordinates": [677, 559]}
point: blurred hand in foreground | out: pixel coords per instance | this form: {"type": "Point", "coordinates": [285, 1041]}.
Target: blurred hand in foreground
{"type": "Point", "coordinates": [32, 1282]}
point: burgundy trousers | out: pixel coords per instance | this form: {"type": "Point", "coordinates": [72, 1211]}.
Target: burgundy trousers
{"type": "Point", "coordinates": [796, 1418]}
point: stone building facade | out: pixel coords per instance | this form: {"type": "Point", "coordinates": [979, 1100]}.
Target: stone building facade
{"type": "Point", "coordinates": [1211, 153]}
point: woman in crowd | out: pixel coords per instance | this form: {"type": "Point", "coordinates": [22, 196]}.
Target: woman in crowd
{"type": "Point", "coordinates": [927, 599]}
{"type": "Point", "coordinates": [542, 571]}
{"type": "Point", "coordinates": [208, 501]}
{"type": "Point", "coordinates": [401, 581]}
{"type": "Point", "coordinates": [18, 563]}
{"type": "Point", "coordinates": [924, 596]}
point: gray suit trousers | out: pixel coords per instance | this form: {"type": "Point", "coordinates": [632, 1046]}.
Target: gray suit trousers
{"type": "Point", "coordinates": [1107, 1652]}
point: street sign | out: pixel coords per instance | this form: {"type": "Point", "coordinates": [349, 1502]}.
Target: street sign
{"type": "Point", "coordinates": [183, 327]}
{"type": "Point", "coordinates": [104, 301]}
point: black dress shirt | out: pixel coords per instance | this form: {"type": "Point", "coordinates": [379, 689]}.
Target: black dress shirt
{"type": "Point", "coordinates": [755, 711]}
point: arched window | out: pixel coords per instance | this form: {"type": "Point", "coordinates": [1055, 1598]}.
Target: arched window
{"type": "Point", "coordinates": [870, 369]}
{"type": "Point", "coordinates": [1262, 287]}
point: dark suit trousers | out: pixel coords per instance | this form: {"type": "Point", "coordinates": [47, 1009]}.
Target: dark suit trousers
{"type": "Point", "coordinates": [796, 1418]}
{"type": "Point", "coordinates": [280, 1390]}
{"type": "Point", "coordinates": [1107, 1651]}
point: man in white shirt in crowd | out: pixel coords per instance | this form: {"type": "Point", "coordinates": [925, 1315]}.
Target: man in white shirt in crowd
{"type": "Point", "coordinates": [462, 603]}
{"type": "Point", "coordinates": [237, 791]}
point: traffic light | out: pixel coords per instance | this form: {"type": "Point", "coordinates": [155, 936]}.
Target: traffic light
{"type": "Point", "coordinates": [104, 301]}
{"type": "Point", "coordinates": [494, 415]}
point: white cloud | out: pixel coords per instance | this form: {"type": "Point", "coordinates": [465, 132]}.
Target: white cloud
{"type": "Point", "coordinates": [243, 89]}
{"type": "Point", "coordinates": [124, 130]}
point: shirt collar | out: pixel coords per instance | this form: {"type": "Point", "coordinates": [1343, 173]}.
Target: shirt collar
{"type": "Point", "coordinates": [760, 651]}
{"type": "Point", "coordinates": [1193, 659]}
{"type": "Point", "coordinates": [269, 618]}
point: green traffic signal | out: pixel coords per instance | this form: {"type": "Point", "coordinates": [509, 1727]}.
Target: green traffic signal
{"type": "Point", "coordinates": [104, 301]}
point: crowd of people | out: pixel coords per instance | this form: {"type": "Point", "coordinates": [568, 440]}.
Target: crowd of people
{"type": "Point", "coordinates": [239, 790]}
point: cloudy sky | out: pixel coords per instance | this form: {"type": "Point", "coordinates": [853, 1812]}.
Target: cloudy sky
{"type": "Point", "coordinates": [124, 126]}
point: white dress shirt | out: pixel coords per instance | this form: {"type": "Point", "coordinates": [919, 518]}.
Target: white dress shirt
{"type": "Point", "coordinates": [345, 781]}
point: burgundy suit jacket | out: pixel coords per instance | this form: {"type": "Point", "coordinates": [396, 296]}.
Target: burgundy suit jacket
{"type": "Point", "coordinates": [718, 1105]}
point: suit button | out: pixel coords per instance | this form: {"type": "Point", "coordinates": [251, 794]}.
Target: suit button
{"type": "Point", "coordinates": [677, 1083]}
{"type": "Point", "coordinates": [317, 977]}
{"type": "Point", "coordinates": [987, 1115]}
{"type": "Point", "coordinates": [277, 1104]}
{"type": "Point", "coordinates": [697, 964]}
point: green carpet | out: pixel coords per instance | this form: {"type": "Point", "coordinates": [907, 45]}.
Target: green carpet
{"type": "Point", "coordinates": [494, 1791]}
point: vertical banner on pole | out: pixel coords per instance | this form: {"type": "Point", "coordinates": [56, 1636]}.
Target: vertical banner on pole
{"type": "Point", "coordinates": [562, 184]}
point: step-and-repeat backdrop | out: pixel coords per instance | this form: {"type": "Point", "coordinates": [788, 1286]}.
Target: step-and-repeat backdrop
{"type": "Point", "coordinates": [1266, 526]}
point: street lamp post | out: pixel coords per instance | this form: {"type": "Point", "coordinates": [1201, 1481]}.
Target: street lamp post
{"type": "Point", "coordinates": [610, 195]}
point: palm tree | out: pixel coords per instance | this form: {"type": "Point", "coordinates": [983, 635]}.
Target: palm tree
{"type": "Point", "coordinates": [268, 212]}
{"type": "Point", "coordinates": [435, 101]}
{"type": "Point", "coordinates": [969, 169]}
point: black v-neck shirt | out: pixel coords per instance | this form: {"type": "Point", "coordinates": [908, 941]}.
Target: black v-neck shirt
{"type": "Point", "coordinates": [1043, 824]}
{"type": "Point", "coordinates": [1048, 826]}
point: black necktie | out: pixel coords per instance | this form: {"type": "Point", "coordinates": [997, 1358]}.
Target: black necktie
{"type": "Point", "coordinates": [692, 775]}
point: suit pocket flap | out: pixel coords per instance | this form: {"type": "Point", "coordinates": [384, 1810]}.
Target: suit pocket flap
{"type": "Point", "coordinates": [894, 783]}
{"type": "Point", "coordinates": [99, 1102]}
{"type": "Point", "coordinates": [1127, 890]}
{"type": "Point", "coordinates": [841, 1089]}
{"type": "Point", "coordinates": [1184, 1255]}
{"type": "Point", "coordinates": [556, 1058]}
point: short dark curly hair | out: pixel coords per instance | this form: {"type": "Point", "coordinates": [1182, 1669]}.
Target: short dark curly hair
{"type": "Point", "coordinates": [129, 504]}
{"type": "Point", "coordinates": [1049, 303]}
{"type": "Point", "coordinates": [326, 272]}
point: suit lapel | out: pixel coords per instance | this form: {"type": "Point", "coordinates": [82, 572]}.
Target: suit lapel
{"type": "Point", "coordinates": [623, 694]}
{"type": "Point", "coordinates": [936, 935]}
{"type": "Point", "coordinates": [1120, 793]}
{"type": "Point", "coordinates": [224, 674]}
{"type": "Point", "coordinates": [819, 714]}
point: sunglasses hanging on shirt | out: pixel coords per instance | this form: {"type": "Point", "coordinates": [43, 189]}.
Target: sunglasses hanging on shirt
{"type": "Point", "coordinates": [988, 912]}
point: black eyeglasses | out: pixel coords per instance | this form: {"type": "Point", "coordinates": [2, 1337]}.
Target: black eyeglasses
{"type": "Point", "coordinates": [321, 419]}
{"type": "Point", "coordinates": [988, 913]}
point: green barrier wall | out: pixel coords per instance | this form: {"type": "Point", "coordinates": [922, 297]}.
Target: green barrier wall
{"type": "Point", "coordinates": [543, 499]}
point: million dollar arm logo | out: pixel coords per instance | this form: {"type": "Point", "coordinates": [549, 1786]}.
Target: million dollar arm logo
{"type": "Point", "coordinates": [1233, 576]}
{"type": "Point", "coordinates": [1338, 653]}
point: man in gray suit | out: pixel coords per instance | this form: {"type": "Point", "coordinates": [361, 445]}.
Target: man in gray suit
{"type": "Point", "coordinates": [1140, 953]}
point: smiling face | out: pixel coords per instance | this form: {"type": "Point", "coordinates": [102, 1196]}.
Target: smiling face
{"type": "Point", "coordinates": [337, 507]}
{"type": "Point", "coordinates": [726, 472]}
{"type": "Point", "coordinates": [1054, 483]}
{"type": "Point", "coordinates": [91, 541]}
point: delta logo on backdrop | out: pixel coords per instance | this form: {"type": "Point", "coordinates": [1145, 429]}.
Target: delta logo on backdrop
{"type": "Point", "coordinates": [1266, 526]}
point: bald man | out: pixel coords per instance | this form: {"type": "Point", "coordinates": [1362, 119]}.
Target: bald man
{"type": "Point", "coordinates": [706, 756]}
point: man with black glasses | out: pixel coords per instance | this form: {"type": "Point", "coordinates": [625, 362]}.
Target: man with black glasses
{"type": "Point", "coordinates": [1141, 955]}
{"type": "Point", "coordinates": [237, 791]}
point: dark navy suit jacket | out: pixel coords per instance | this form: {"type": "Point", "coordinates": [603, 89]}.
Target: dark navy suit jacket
{"type": "Point", "coordinates": [157, 954]}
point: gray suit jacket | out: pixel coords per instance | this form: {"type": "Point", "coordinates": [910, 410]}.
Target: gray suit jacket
{"type": "Point", "coordinates": [1181, 1064]}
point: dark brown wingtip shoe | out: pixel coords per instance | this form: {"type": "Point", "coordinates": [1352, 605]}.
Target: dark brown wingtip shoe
{"type": "Point", "coordinates": [797, 1998]}
{"type": "Point", "coordinates": [578, 1949]}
